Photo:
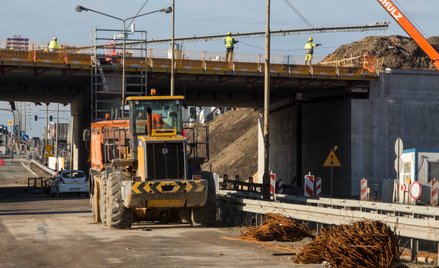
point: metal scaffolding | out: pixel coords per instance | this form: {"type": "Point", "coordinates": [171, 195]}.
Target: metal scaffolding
{"type": "Point", "coordinates": [109, 82]}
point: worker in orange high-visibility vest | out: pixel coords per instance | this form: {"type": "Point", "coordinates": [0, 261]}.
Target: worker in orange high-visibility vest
{"type": "Point", "coordinates": [230, 44]}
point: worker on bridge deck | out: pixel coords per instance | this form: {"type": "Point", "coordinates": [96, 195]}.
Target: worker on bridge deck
{"type": "Point", "coordinates": [230, 44]}
{"type": "Point", "coordinates": [309, 50]}
{"type": "Point", "coordinates": [53, 44]}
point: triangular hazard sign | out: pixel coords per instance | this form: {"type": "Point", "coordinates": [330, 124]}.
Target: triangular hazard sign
{"type": "Point", "coordinates": [332, 160]}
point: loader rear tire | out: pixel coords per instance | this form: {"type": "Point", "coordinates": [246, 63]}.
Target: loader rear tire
{"type": "Point", "coordinates": [103, 200]}
{"type": "Point", "coordinates": [118, 216]}
{"type": "Point", "coordinates": [206, 215]}
{"type": "Point", "coordinates": [94, 202]}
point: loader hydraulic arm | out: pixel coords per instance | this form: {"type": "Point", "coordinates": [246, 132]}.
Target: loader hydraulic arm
{"type": "Point", "coordinates": [411, 30]}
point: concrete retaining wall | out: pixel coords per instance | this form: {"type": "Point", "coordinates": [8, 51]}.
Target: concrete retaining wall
{"type": "Point", "coordinates": [402, 104]}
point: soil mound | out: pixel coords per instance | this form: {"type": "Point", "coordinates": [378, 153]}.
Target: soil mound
{"type": "Point", "coordinates": [391, 51]}
{"type": "Point", "coordinates": [233, 143]}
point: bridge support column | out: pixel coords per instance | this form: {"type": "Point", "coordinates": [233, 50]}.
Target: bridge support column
{"type": "Point", "coordinates": [79, 122]}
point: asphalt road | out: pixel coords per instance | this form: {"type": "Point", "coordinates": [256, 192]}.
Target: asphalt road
{"type": "Point", "coordinates": [38, 231]}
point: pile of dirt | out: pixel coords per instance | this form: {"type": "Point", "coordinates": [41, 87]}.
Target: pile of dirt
{"type": "Point", "coordinates": [233, 143]}
{"type": "Point", "coordinates": [391, 51]}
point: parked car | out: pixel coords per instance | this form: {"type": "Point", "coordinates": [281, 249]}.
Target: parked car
{"type": "Point", "coordinates": [69, 181]}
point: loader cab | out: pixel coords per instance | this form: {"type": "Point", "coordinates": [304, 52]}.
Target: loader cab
{"type": "Point", "coordinates": [156, 116]}
{"type": "Point", "coordinates": [157, 141]}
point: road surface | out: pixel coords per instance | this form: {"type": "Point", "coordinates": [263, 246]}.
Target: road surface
{"type": "Point", "coordinates": [38, 231]}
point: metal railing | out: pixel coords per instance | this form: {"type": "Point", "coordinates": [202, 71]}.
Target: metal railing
{"type": "Point", "coordinates": [206, 65]}
{"type": "Point", "coordinates": [409, 221]}
{"type": "Point", "coordinates": [180, 54]}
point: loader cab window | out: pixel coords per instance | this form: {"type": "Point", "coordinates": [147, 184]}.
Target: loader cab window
{"type": "Point", "coordinates": [156, 115]}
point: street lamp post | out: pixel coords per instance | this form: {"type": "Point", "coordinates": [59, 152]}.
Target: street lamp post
{"type": "Point", "coordinates": [166, 10]}
{"type": "Point", "coordinates": [173, 50]}
{"type": "Point", "coordinates": [266, 176]}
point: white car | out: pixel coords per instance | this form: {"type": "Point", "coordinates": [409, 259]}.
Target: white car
{"type": "Point", "coordinates": [69, 181]}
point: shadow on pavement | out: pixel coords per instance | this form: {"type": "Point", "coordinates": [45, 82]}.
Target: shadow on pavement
{"type": "Point", "coordinates": [18, 213]}
{"type": "Point", "coordinates": [25, 194]}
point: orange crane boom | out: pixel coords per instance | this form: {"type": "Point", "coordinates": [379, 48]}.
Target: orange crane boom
{"type": "Point", "coordinates": [411, 30]}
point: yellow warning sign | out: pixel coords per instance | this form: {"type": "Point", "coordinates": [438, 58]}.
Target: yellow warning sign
{"type": "Point", "coordinates": [332, 160]}
{"type": "Point", "coordinates": [10, 123]}
{"type": "Point", "coordinates": [49, 151]}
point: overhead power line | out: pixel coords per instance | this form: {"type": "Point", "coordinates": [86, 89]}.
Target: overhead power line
{"type": "Point", "coordinates": [299, 14]}
{"type": "Point", "coordinates": [138, 12]}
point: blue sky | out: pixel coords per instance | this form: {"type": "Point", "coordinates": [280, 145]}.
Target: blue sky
{"type": "Point", "coordinates": [43, 19]}
{"type": "Point", "coordinates": [40, 20]}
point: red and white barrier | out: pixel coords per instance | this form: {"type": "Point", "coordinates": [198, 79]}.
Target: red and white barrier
{"type": "Point", "coordinates": [318, 190]}
{"type": "Point", "coordinates": [363, 190]}
{"type": "Point", "coordinates": [272, 183]}
{"type": "Point", "coordinates": [309, 185]}
{"type": "Point", "coordinates": [434, 193]}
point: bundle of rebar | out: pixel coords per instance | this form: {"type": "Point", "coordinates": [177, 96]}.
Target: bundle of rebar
{"type": "Point", "coordinates": [277, 227]}
{"type": "Point", "coordinates": [360, 244]}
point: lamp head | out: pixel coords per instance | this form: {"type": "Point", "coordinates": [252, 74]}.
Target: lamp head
{"type": "Point", "coordinates": [167, 10]}
{"type": "Point", "coordinates": [79, 8]}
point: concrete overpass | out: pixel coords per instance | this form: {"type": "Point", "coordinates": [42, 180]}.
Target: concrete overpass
{"type": "Point", "coordinates": [313, 108]}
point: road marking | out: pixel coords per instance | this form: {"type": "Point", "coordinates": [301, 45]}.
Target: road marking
{"type": "Point", "coordinates": [30, 170]}
{"type": "Point", "coordinates": [113, 260]}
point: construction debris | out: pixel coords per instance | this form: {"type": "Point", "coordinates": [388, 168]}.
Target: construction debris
{"type": "Point", "coordinates": [360, 244]}
{"type": "Point", "coordinates": [277, 228]}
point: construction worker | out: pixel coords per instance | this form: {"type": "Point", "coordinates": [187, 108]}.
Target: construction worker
{"type": "Point", "coordinates": [309, 50]}
{"type": "Point", "coordinates": [53, 44]}
{"type": "Point", "coordinates": [230, 44]}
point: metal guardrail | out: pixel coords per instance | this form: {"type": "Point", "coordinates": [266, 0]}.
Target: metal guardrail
{"type": "Point", "coordinates": [410, 221]}
{"type": "Point", "coordinates": [378, 207]}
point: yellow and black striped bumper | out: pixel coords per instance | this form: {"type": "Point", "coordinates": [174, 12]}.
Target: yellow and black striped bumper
{"type": "Point", "coordinates": [165, 194]}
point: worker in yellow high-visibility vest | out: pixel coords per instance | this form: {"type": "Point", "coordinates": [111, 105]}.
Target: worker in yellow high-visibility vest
{"type": "Point", "coordinates": [309, 50]}
{"type": "Point", "coordinates": [230, 44]}
{"type": "Point", "coordinates": [53, 44]}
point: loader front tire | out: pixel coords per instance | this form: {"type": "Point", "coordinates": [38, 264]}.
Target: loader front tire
{"type": "Point", "coordinates": [206, 215]}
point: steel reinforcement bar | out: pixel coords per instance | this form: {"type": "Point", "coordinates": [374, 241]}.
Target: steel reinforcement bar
{"type": "Point", "coordinates": [418, 226]}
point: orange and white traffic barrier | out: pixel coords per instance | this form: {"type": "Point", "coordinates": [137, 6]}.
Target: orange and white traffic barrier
{"type": "Point", "coordinates": [318, 190]}
{"type": "Point", "coordinates": [434, 193]}
{"type": "Point", "coordinates": [363, 190]}
{"type": "Point", "coordinates": [309, 185]}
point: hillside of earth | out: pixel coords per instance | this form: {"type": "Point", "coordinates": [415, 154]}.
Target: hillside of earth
{"type": "Point", "coordinates": [233, 143]}
{"type": "Point", "coordinates": [391, 51]}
